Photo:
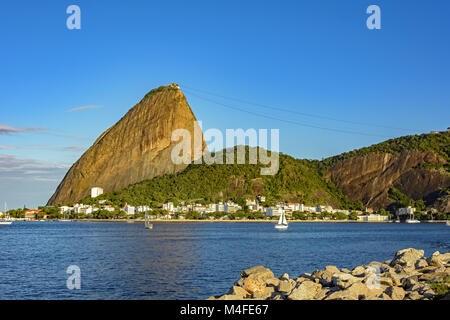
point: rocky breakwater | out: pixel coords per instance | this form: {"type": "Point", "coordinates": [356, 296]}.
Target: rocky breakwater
{"type": "Point", "coordinates": [408, 276]}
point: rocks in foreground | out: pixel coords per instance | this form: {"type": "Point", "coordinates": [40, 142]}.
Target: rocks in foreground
{"type": "Point", "coordinates": [408, 276]}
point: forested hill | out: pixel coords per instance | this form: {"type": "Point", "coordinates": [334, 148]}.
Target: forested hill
{"type": "Point", "coordinates": [416, 166]}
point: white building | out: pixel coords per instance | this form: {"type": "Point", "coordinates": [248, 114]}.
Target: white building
{"type": "Point", "coordinates": [273, 211]}
{"type": "Point", "coordinates": [96, 191]}
{"type": "Point", "coordinates": [220, 207]}
{"type": "Point", "coordinates": [405, 211]}
{"type": "Point", "coordinates": [143, 209]}
{"type": "Point", "coordinates": [373, 218]}
{"type": "Point", "coordinates": [129, 209]}
{"type": "Point", "coordinates": [168, 206]}
{"type": "Point", "coordinates": [108, 208]}
{"type": "Point", "coordinates": [65, 209]}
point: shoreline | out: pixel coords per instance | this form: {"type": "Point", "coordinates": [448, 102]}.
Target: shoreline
{"type": "Point", "coordinates": [240, 221]}
{"type": "Point", "coordinates": [408, 276]}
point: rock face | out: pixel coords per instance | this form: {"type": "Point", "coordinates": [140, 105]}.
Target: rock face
{"type": "Point", "coordinates": [136, 148]}
{"type": "Point", "coordinates": [368, 178]}
{"type": "Point", "coordinates": [402, 278]}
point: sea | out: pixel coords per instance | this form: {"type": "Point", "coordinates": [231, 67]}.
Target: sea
{"type": "Point", "coordinates": [118, 260]}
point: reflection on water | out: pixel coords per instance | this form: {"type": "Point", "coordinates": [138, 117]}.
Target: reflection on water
{"type": "Point", "coordinates": [186, 260]}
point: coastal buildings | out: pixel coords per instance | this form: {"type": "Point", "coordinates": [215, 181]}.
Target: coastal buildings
{"type": "Point", "coordinates": [130, 210]}
{"type": "Point", "coordinates": [169, 210]}
{"type": "Point", "coordinates": [373, 218]}
{"type": "Point", "coordinates": [31, 214]}
{"type": "Point", "coordinates": [405, 211]}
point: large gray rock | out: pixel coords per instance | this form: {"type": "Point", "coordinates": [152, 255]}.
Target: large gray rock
{"type": "Point", "coordinates": [407, 257]}
{"type": "Point", "coordinates": [265, 294]}
{"type": "Point", "coordinates": [359, 271]}
{"type": "Point", "coordinates": [344, 280]}
{"type": "Point", "coordinates": [258, 273]}
{"type": "Point", "coordinates": [306, 290]}
{"type": "Point", "coordinates": [239, 291]}
{"type": "Point", "coordinates": [325, 276]}
{"type": "Point", "coordinates": [284, 287]}
{"type": "Point", "coordinates": [435, 260]}
{"type": "Point", "coordinates": [396, 293]}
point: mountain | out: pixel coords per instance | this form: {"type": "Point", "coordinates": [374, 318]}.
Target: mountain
{"type": "Point", "coordinates": [132, 162]}
{"type": "Point", "coordinates": [136, 148]}
{"type": "Point", "coordinates": [416, 166]}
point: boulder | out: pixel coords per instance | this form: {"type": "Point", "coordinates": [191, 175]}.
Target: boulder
{"type": "Point", "coordinates": [435, 260]}
{"type": "Point", "coordinates": [252, 286]}
{"type": "Point", "coordinates": [258, 273]}
{"type": "Point", "coordinates": [410, 282]}
{"type": "Point", "coordinates": [433, 276]}
{"type": "Point", "coordinates": [356, 291]}
{"type": "Point", "coordinates": [265, 294]}
{"type": "Point", "coordinates": [407, 257]}
{"type": "Point", "coordinates": [305, 277]}
{"type": "Point", "coordinates": [325, 277]}
{"type": "Point", "coordinates": [384, 296]}
{"type": "Point", "coordinates": [445, 257]}
{"type": "Point", "coordinates": [344, 280]}
{"type": "Point", "coordinates": [285, 276]}
{"type": "Point", "coordinates": [396, 293]}
{"type": "Point", "coordinates": [272, 282]}
{"type": "Point", "coordinates": [421, 263]}
{"type": "Point", "coordinates": [238, 291]}
{"type": "Point", "coordinates": [284, 286]}
{"type": "Point", "coordinates": [413, 295]}
{"type": "Point", "coordinates": [306, 290]}
{"type": "Point", "coordinates": [331, 269]}
{"type": "Point", "coordinates": [230, 297]}
{"type": "Point", "coordinates": [359, 271]}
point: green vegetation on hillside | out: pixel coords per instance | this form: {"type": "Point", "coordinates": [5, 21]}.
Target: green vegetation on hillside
{"type": "Point", "coordinates": [438, 143]}
{"type": "Point", "coordinates": [402, 200]}
{"type": "Point", "coordinates": [296, 180]}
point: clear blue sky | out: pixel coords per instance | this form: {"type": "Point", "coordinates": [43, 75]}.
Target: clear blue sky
{"type": "Point", "coordinates": [311, 57]}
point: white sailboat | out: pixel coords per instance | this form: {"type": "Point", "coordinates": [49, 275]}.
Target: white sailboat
{"type": "Point", "coordinates": [7, 221]}
{"type": "Point", "coordinates": [412, 220]}
{"type": "Point", "coordinates": [282, 222]}
{"type": "Point", "coordinates": [148, 225]}
{"type": "Point", "coordinates": [447, 223]}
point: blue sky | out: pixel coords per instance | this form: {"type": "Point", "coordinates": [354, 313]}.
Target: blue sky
{"type": "Point", "coordinates": [314, 58]}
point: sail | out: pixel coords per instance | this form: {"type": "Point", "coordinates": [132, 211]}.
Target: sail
{"type": "Point", "coordinates": [280, 221]}
{"type": "Point", "coordinates": [284, 219]}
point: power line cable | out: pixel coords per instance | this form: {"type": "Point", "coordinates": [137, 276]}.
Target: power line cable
{"type": "Point", "coordinates": [293, 111]}
{"type": "Point", "coordinates": [282, 120]}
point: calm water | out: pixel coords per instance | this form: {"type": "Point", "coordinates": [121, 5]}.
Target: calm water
{"type": "Point", "coordinates": [189, 260]}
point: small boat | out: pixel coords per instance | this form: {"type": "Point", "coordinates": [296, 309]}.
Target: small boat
{"type": "Point", "coordinates": [7, 221]}
{"type": "Point", "coordinates": [447, 223]}
{"type": "Point", "coordinates": [282, 222]}
{"type": "Point", "coordinates": [412, 219]}
{"type": "Point", "coordinates": [148, 225]}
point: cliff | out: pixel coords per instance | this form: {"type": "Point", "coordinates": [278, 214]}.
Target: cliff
{"type": "Point", "coordinates": [417, 165]}
{"type": "Point", "coordinates": [136, 148]}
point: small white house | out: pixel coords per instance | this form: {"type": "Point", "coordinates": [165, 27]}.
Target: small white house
{"type": "Point", "coordinates": [129, 210]}
{"type": "Point", "coordinates": [96, 191]}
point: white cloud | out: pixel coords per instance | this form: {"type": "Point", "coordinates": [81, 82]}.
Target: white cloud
{"type": "Point", "coordinates": [12, 168]}
{"type": "Point", "coordinates": [8, 130]}
{"type": "Point", "coordinates": [83, 108]}
{"type": "Point", "coordinates": [44, 147]}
